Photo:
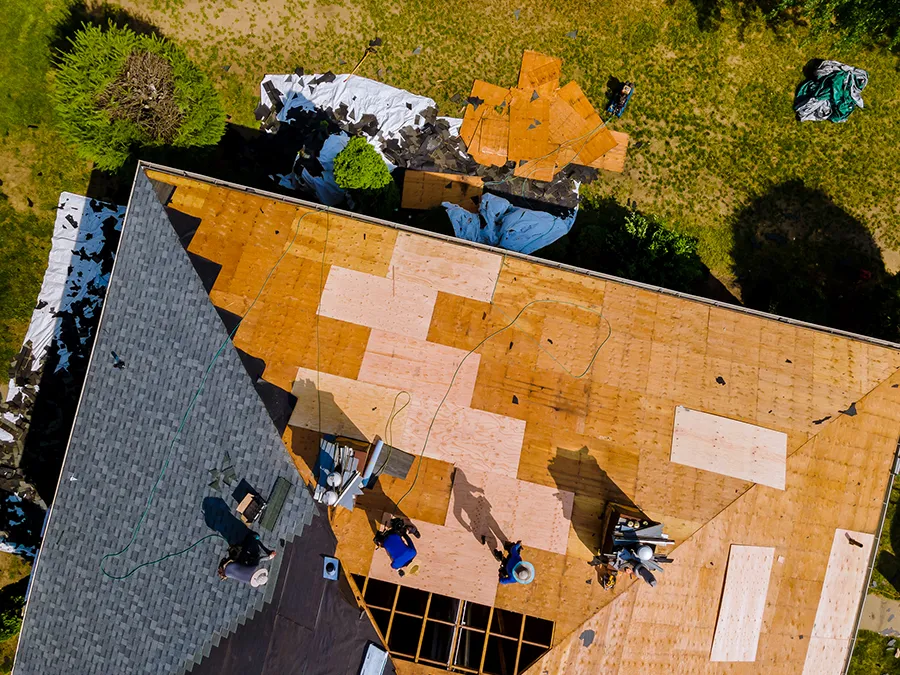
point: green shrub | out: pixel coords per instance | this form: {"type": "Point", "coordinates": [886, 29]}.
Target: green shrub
{"type": "Point", "coordinates": [637, 247]}
{"type": "Point", "coordinates": [858, 21]}
{"type": "Point", "coordinates": [360, 167]}
{"type": "Point", "coordinates": [11, 603]}
{"type": "Point", "coordinates": [117, 91]}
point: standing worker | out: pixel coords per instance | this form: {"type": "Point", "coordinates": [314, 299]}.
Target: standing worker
{"type": "Point", "coordinates": [396, 542]}
{"type": "Point", "coordinates": [514, 570]}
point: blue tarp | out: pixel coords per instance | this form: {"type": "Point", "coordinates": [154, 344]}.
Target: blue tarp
{"type": "Point", "coordinates": [510, 227]}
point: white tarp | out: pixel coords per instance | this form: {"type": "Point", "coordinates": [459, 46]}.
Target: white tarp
{"type": "Point", "coordinates": [73, 274]}
{"type": "Point", "coordinates": [510, 227]}
{"type": "Point", "coordinates": [394, 108]}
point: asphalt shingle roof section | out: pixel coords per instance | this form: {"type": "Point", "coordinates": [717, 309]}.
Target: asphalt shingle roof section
{"type": "Point", "coordinates": [159, 320]}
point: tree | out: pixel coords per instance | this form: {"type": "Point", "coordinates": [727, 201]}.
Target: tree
{"type": "Point", "coordinates": [117, 91]}
{"type": "Point", "coordinates": [635, 246]}
{"type": "Point", "coordinates": [361, 171]}
{"type": "Point", "coordinates": [859, 21]}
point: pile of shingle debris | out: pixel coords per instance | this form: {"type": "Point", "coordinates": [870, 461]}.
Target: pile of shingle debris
{"type": "Point", "coordinates": [430, 146]}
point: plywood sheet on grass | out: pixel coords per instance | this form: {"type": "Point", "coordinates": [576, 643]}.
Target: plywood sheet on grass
{"type": "Point", "coordinates": [539, 71]}
{"type": "Point", "coordinates": [419, 367]}
{"type": "Point", "coordinates": [393, 305]}
{"type": "Point", "coordinates": [449, 561]}
{"type": "Point", "coordinates": [343, 407]}
{"type": "Point", "coordinates": [429, 189]}
{"type": "Point", "coordinates": [529, 125]}
{"type": "Point", "coordinates": [485, 126]}
{"type": "Point", "coordinates": [599, 139]}
{"type": "Point", "coordinates": [501, 509]}
{"type": "Point", "coordinates": [743, 603]}
{"type": "Point", "coordinates": [445, 266]}
{"type": "Point", "coordinates": [614, 159]}
{"type": "Point", "coordinates": [729, 447]}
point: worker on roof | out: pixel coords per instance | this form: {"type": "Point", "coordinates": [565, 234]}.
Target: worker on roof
{"type": "Point", "coordinates": [396, 542]}
{"type": "Point", "coordinates": [514, 570]}
{"type": "Point", "coordinates": [243, 561]}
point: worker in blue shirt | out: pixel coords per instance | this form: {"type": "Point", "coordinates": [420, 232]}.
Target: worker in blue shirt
{"type": "Point", "coordinates": [396, 542]}
{"type": "Point", "coordinates": [514, 570]}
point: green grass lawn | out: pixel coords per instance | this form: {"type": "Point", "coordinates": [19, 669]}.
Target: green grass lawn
{"type": "Point", "coordinates": [711, 122]}
{"type": "Point", "coordinates": [872, 656]}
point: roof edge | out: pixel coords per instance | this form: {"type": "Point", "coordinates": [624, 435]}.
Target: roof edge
{"type": "Point", "coordinates": [142, 164]}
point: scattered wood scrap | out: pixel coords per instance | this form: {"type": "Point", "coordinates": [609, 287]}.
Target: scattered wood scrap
{"type": "Point", "coordinates": [537, 124]}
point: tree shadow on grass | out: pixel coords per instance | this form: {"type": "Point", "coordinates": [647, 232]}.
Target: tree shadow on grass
{"type": "Point", "coordinates": [100, 14]}
{"type": "Point", "coordinates": [797, 254]}
{"type": "Point", "coordinates": [710, 14]}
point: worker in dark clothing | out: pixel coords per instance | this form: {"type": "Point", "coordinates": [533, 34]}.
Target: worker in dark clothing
{"type": "Point", "coordinates": [396, 542]}
{"type": "Point", "coordinates": [514, 570]}
{"type": "Point", "coordinates": [243, 561]}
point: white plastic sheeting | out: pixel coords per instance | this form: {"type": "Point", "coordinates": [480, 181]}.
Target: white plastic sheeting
{"type": "Point", "coordinates": [70, 277]}
{"type": "Point", "coordinates": [394, 108]}
{"type": "Point", "coordinates": [510, 227]}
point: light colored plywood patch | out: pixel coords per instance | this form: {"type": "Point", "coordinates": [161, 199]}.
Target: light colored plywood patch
{"type": "Point", "coordinates": [443, 266]}
{"type": "Point", "coordinates": [505, 509]}
{"type": "Point", "coordinates": [614, 159]}
{"type": "Point", "coordinates": [729, 447]}
{"type": "Point", "coordinates": [420, 367]}
{"type": "Point", "coordinates": [393, 305]}
{"type": "Point", "coordinates": [466, 437]}
{"type": "Point", "coordinates": [449, 561]}
{"type": "Point", "coordinates": [344, 407]}
{"type": "Point", "coordinates": [743, 603]}
{"type": "Point", "coordinates": [825, 656]}
{"type": "Point", "coordinates": [844, 581]}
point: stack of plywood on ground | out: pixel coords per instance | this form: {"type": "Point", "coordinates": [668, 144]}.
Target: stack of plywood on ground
{"type": "Point", "coordinates": [601, 430]}
{"type": "Point", "coordinates": [537, 124]}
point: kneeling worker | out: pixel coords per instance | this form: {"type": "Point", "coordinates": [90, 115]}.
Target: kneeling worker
{"type": "Point", "coordinates": [514, 570]}
{"type": "Point", "coordinates": [396, 542]}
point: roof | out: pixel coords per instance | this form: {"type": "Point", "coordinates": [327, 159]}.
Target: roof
{"type": "Point", "coordinates": [158, 319]}
{"type": "Point", "coordinates": [537, 394]}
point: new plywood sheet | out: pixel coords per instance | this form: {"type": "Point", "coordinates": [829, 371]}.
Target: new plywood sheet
{"type": "Point", "coordinates": [729, 447]}
{"type": "Point", "coordinates": [448, 561]}
{"type": "Point", "coordinates": [743, 603]}
{"type": "Point", "coordinates": [344, 407]}
{"type": "Point", "coordinates": [419, 367]}
{"type": "Point", "coordinates": [843, 585]}
{"type": "Point", "coordinates": [502, 509]}
{"type": "Point", "coordinates": [467, 437]}
{"type": "Point", "coordinates": [826, 656]}
{"type": "Point", "coordinates": [429, 189]}
{"type": "Point", "coordinates": [444, 266]}
{"type": "Point", "coordinates": [393, 305]}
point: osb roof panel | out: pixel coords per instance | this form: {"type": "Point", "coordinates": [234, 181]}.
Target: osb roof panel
{"type": "Point", "coordinates": [604, 436]}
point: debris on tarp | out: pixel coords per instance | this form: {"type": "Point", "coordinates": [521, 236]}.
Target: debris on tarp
{"type": "Point", "coordinates": [833, 92]}
{"type": "Point", "coordinates": [404, 127]}
{"type": "Point", "coordinates": [59, 336]}
{"type": "Point", "coordinates": [499, 223]}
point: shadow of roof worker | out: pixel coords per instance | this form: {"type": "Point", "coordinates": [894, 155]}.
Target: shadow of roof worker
{"type": "Point", "coordinates": [469, 501]}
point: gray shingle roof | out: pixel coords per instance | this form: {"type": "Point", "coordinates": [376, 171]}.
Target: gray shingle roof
{"type": "Point", "coordinates": [159, 320]}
